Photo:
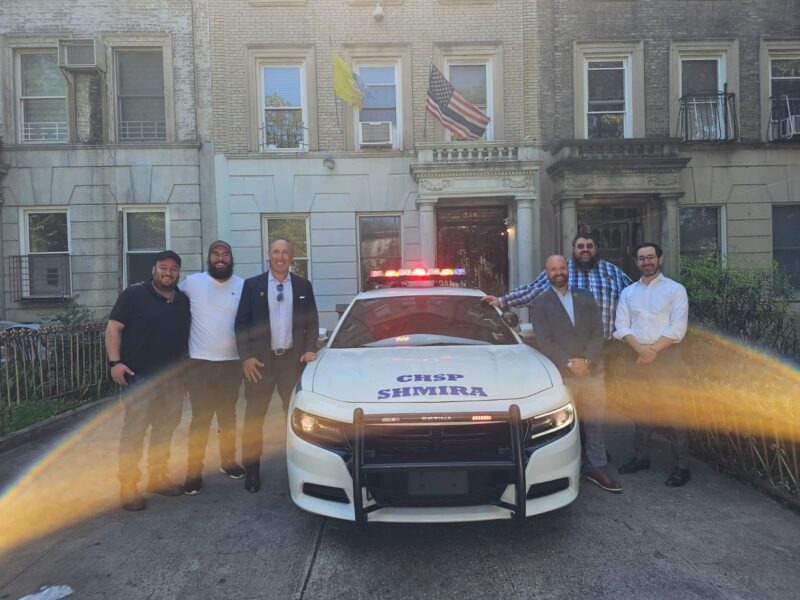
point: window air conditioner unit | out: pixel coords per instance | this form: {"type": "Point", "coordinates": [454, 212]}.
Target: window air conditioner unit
{"type": "Point", "coordinates": [81, 55]}
{"type": "Point", "coordinates": [373, 134]}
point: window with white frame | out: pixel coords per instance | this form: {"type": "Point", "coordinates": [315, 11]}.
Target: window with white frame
{"type": "Point", "coordinates": [44, 268]}
{"type": "Point", "coordinates": [294, 229]}
{"type": "Point", "coordinates": [141, 106]}
{"type": "Point", "coordinates": [701, 232]}
{"type": "Point", "coordinates": [786, 242]}
{"type": "Point", "coordinates": [702, 81]}
{"type": "Point", "coordinates": [472, 80]}
{"type": "Point", "coordinates": [42, 93]}
{"type": "Point", "coordinates": [284, 119]}
{"type": "Point", "coordinates": [784, 92]}
{"type": "Point", "coordinates": [145, 235]}
{"type": "Point", "coordinates": [380, 118]}
{"type": "Point", "coordinates": [608, 106]}
{"type": "Point", "coordinates": [379, 244]}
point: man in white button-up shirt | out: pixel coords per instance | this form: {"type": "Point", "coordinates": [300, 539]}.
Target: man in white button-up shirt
{"type": "Point", "coordinates": [652, 316]}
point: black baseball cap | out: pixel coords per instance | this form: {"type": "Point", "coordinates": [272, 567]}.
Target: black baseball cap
{"type": "Point", "coordinates": [167, 254]}
{"type": "Point", "coordinates": [222, 243]}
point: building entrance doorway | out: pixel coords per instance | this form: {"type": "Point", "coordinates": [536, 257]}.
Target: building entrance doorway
{"type": "Point", "coordinates": [617, 230]}
{"type": "Point", "coordinates": [475, 239]}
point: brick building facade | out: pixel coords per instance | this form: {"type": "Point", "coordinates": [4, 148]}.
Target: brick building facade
{"type": "Point", "coordinates": [668, 120]}
{"type": "Point", "coordinates": [101, 147]}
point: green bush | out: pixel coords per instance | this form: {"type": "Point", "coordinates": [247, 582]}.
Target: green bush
{"type": "Point", "coordinates": [748, 304]}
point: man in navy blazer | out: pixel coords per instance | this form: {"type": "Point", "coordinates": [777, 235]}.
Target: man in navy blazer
{"type": "Point", "coordinates": [277, 328]}
{"type": "Point", "coordinates": [569, 330]}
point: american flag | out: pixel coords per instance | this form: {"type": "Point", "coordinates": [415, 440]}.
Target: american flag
{"type": "Point", "coordinates": [451, 109]}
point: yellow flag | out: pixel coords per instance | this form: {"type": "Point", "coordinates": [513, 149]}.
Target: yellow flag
{"type": "Point", "coordinates": [344, 83]}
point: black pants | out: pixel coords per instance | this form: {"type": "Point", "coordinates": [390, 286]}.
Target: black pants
{"type": "Point", "coordinates": [283, 373]}
{"type": "Point", "coordinates": [657, 389]}
{"type": "Point", "coordinates": [213, 389]}
{"type": "Point", "coordinates": [154, 403]}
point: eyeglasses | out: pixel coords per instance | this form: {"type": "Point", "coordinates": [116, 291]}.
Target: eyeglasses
{"type": "Point", "coordinates": [646, 258]}
{"type": "Point", "coordinates": [280, 292]}
{"type": "Point", "coordinates": [589, 246]}
{"type": "Point", "coordinates": [220, 254]}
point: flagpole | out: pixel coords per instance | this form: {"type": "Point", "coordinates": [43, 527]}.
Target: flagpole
{"type": "Point", "coordinates": [425, 126]}
{"type": "Point", "coordinates": [333, 75]}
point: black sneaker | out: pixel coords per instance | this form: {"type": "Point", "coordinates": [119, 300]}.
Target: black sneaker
{"type": "Point", "coordinates": [234, 471]}
{"type": "Point", "coordinates": [193, 486]}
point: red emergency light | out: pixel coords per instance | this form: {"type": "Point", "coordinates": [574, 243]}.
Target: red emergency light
{"type": "Point", "coordinates": [401, 277]}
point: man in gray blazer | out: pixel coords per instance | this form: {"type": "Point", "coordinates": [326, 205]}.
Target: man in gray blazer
{"type": "Point", "coordinates": [569, 331]}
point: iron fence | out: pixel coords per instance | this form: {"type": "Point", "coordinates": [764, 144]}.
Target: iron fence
{"type": "Point", "coordinates": [52, 362]}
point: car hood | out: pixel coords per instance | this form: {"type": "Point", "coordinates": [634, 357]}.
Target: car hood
{"type": "Point", "coordinates": [430, 374]}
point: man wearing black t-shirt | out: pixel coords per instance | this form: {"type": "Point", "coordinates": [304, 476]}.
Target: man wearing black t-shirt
{"type": "Point", "coordinates": [146, 336]}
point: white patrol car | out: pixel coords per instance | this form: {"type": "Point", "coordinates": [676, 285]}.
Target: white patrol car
{"type": "Point", "coordinates": [426, 406]}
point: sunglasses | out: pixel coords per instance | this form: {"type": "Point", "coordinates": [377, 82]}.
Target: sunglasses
{"type": "Point", "coordinates": [280, 292]}
{"type": "Point", "coordinates": [589, 246]}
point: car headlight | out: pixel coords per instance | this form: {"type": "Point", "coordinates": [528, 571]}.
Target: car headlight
{"type": "Point", "coordinates": [550, 422]}
{"type": "Point", "coordinates": [327, 433]}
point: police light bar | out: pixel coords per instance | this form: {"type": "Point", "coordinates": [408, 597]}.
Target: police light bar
{"type": "Point", "coordinates": [417, 274]}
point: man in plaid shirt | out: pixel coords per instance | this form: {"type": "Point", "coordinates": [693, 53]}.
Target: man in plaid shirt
{"type": "Point", "coordinates": [587, 271]}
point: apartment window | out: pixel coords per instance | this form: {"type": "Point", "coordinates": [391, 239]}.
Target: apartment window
{"type": "Point", "coordinates": [472, 81]}
{"type": "Point", "coordinates": [283, 115]}
{"type": "Point", "coordinates": [608, 98]}
{"type": "Point", "coordinates": [141, 110]}
{"type": "Point", "coordinates": [380, 119]}
{"type": "Point", "coordinates": [379, 245]}
{"type": "Point", "coordinates": [703, 101]}
{"type": "Point", "coordinates": [784, 98]}
{"type": "Point", "coordinates": [786, 242]}
{"type": "Point", "coordinates": [42, 98]}
{"type": "Point", "coordinates": [294, 229]}
{"type": "Point", "coordinates": [43, 270]}
{"type": "Point", "coordinates": [145, 235]}
{"type": "Point", "coordinates": [700, 232]}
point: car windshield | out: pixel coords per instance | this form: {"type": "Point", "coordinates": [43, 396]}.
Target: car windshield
{"type": "Point", "coordinates": [423, 320]}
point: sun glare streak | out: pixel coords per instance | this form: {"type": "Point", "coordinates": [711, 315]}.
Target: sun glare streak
{"type": "Point", "coordinates": [731, 393]}
{"type": "Point", "coordinates": [77, 479]}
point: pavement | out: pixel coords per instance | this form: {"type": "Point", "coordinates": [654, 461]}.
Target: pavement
{"type": "Point", "coordinates": [60, 525]}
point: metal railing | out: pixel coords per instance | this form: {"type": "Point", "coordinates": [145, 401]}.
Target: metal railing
{"type": "Point", "coordinates": [142, 130]}
{"type": "Point", "coordinates": [708, 117]}
{"type": "Point", "coordinates": [48, 363]}
{"type": "Point", "coordinates": [55, 131]}
{"type": "Point", "coordinates": [281, 132]}
{"type": "Point", "coordinates": [39, 277]}
{"type": "Point", "coordinates": [784, 117]}
{"type": "Point", "coordinates": [741, 409]}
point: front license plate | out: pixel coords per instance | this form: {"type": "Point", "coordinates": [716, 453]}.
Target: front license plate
{"type": "Point", "coordinates": [437, 483]}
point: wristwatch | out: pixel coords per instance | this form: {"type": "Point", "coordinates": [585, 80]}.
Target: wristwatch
{"type": "Point", "coordinates": [113, 363]}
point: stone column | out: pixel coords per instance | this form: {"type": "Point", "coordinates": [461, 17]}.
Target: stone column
{"type": "Point", "coordinates": [528, 259]}
{"type": "Point", "coordinates": [427, 230]}
{"type": "Point", "coordinates": [569, 224]}
{"type": "Point", "coordinates": [670, 237]}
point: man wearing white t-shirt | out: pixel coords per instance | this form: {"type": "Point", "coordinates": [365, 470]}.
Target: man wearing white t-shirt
{"type": "Point", "coordinates": [215, 373]}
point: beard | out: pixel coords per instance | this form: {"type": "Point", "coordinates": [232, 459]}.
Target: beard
{"type": "Point", "coordinates": [587, 265]}
{"type": "Point", "coordinates": [220, 274]}
{"type": "Point", "coordinates": [165, 288]}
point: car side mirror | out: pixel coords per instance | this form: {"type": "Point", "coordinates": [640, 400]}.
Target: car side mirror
{"type": "Point", "coordinates": [511, 319]}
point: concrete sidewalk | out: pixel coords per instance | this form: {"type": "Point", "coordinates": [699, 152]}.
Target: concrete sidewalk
{"type": "Point", "coordinates": [715, 538]}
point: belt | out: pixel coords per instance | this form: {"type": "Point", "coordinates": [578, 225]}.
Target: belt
{"type": "Point", "coordinates": [280, 351]}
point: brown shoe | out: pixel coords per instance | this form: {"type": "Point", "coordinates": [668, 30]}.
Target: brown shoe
{"type": "Point", "coordinates": [604, 480]}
